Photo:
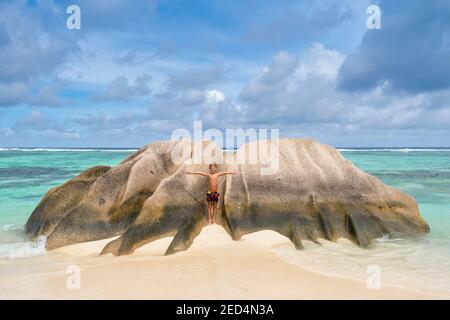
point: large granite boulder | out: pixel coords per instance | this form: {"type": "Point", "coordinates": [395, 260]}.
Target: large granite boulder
{"type": "Point", "coordinates": [102, 202]}
{"type": "Point", "coordinates": [313, 192]}
{"type": "Point", "coordinates": [317, 193]}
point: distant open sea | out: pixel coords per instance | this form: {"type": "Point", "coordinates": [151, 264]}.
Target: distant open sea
{"type": "Point", "coordinates": [424, 173]}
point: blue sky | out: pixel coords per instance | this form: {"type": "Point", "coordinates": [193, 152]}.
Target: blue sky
{"type": "Point", "coordinates": [137, 70]}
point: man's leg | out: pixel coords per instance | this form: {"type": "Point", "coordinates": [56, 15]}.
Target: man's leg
{"type": "Point", "coordinates": [210, 212]}
{"type": "Point", "coordinates": [214, 212]}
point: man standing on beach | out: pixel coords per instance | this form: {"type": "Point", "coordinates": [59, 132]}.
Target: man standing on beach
{"type": "Point", "coordinates": [212, 196]}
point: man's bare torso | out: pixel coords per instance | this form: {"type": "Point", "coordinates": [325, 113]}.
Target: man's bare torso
{"type": "Point", "coordinates": [213, 182]}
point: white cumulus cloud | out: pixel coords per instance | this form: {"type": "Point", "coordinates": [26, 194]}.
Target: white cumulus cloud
{"type": "Point", "coordinates": [214, 96]}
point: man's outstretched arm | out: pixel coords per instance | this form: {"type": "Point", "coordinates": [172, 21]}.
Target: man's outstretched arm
{"type": "Point", "coordinates": [196, 173]}
{"type": "Point", "coordinates": [229, 172]}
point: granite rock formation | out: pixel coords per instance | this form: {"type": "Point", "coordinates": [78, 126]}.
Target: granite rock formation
{"type": "Point", "coordinates": [313, 193]}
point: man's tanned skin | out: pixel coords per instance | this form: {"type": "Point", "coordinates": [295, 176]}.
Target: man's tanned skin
{"type": "Point", "coordinates": [212, 195]}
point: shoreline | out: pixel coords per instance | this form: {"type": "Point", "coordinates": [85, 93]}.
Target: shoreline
{"type": "Point", "coordinates": [215, 267]}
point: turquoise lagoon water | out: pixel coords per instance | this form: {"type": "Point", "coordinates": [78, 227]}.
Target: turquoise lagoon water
{"type": "Point", "coordinates": [26, 175]}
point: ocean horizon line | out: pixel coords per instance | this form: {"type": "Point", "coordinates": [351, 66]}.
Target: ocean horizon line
{"type": "Point", "coordinates": [132, 147]}
{"type": "Point", "coordinates": [74, 149]}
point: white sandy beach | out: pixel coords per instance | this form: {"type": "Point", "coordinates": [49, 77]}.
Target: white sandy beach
{"type": "Point", "coordinates": [215, 267]}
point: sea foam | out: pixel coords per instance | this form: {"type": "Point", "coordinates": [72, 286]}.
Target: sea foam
{"type": "Point", "coordinates": [9, 227]}
{"type": "Point", "coordinates": [23, 249]}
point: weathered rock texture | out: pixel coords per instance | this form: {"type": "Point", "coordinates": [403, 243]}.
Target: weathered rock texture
{"type": "Point", "coordinates": [316, 193]}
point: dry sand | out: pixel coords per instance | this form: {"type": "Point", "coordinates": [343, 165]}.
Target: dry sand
{"type": "Point", "coordinates": [215, 267]}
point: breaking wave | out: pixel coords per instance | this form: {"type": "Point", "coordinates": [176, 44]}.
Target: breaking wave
{"type": "Point", "coordinates": [23, 249]}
